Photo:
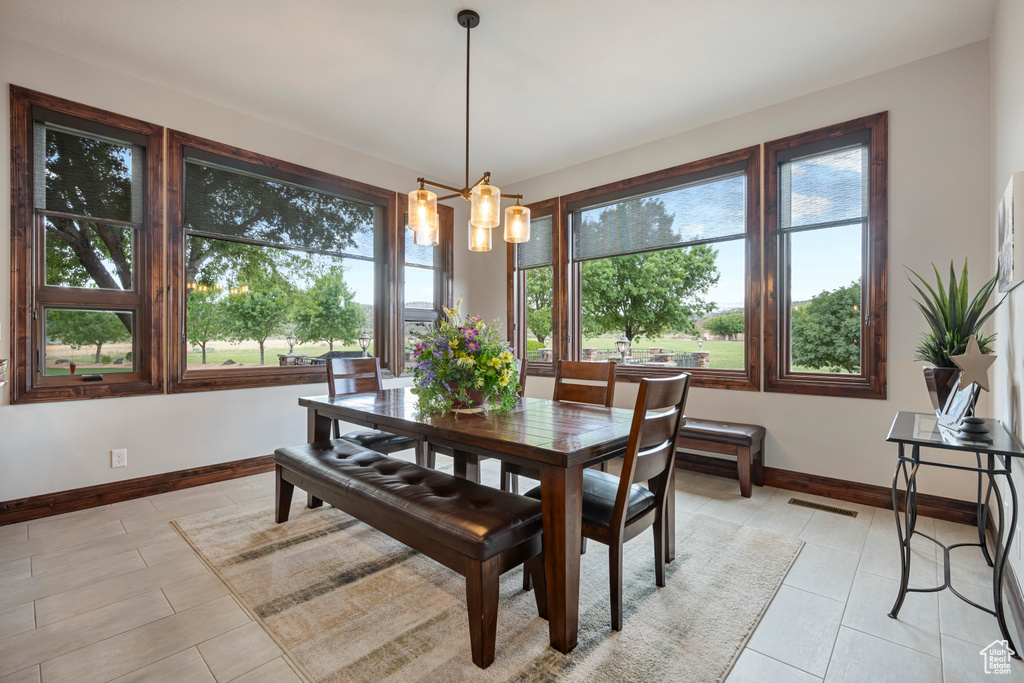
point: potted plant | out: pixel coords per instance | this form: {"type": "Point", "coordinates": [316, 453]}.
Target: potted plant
{"type": "Point", "coordinates": [464, 364]}
{"type": "Point", "coordinates": [953, 316]}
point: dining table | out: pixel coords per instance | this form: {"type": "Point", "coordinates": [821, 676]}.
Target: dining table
{"type": "Point", "coordinates": [560, 439]}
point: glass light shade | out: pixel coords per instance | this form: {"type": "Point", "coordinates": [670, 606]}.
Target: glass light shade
{"type": "Point", "coordinates": [427, 238]}
{"type": "Point", "coordinates": [479, 238]}
{"type": "Point", "coordinates": [622, 344]}
{"type": "Point", "coordinates": [517, 224]}
{"type": "Point", "coordinates": [422, 210]}
{"type": "Point", "coordinates": [485, 206]}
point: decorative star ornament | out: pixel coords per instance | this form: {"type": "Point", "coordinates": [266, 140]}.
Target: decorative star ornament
{"type": "Point", "coordinates": [974, 364]}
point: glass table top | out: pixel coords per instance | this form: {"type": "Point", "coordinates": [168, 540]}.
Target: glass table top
{"type": "Point", "coordinates": [923, 429]}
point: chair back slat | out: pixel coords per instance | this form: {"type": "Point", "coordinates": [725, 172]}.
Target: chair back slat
{"type": "Point", "coordinates": [596, 394]}
{"type": "Point", "coordinates": [651, 449]}
{"type": "Point", "coordinates": [353, 376]}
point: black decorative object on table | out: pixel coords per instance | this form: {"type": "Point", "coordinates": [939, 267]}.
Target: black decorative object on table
{"type": "Point", "coordinates": [974, 429]}
{"type": "Point", "coordinates": [994, 456]}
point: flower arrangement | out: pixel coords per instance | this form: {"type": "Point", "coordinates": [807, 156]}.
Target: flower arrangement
{"type": "Point", "coordinates": [464, 363]}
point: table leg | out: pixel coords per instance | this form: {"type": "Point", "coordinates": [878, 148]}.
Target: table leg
{"type": "Point", "coordinates": [318, 427]}
{"type": "Point", "coordinates": [467, 465]}
{"type": "Point", "coordinates": [983, 510]}
{"type": "Point", "coordinates": [1002, 551]}
{"type": "Point", "coordinates": [562, 504]}
{"type": "Point", "coordinates": [908, 522]}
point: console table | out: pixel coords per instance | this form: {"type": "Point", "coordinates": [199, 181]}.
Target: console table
{"type": "Point", "coordinates": [994, 459]}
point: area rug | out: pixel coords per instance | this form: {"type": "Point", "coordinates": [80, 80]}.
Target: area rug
{"type": "Point", "coordinates": [348, 603]}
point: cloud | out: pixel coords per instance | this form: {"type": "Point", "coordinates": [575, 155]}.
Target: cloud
{"type": "Point", "coordinates": [804, 205]}
{"type": "Point", "coordinates": [843, 160]}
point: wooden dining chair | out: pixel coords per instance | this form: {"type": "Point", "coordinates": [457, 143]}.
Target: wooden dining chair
{"type": "Point", "coordinates": [362, 375]}
{"type": "Point", "coordinates": [569, 386]}
{"type": "Point", "coordinates": [617, 509]}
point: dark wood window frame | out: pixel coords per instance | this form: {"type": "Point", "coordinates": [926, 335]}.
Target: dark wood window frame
{"type": "Point", "coordinates": [516, 288]}
{"type": "Point", "coordinates": [871, 382]}
{"type": "Point", "coordinates": [388, 275]}
{"type": "Point", "coordinates": [567, 327]}
{"type": "Point", "coordinates": [442, 275]}
{"type": "Point", "coordinates": [28, 288]}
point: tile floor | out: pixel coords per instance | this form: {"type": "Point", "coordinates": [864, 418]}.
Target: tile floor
{"type": "Point", "coordinates": [113, 594]}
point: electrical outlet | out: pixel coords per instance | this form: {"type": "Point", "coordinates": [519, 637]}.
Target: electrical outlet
{"type": "Point", "coordinates": [119, 457]}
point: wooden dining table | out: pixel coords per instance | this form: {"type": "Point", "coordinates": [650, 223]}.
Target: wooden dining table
{"type": "Point", "coordinates": [557, 438]}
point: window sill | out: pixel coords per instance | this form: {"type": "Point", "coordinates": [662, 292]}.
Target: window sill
{"type": "Point", "coordinates": [736, 380]}
{"type": "Point", "coordinates": [82, 391]}
{"type": "Point", "coordinates": [824, 385]}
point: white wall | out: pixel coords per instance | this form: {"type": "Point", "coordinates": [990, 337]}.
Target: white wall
{"type": "Point", "coordinates": [1007, 58]}
{"type": "Point", "coordinates": [57, 446]}
{"type": "Point", "coordinates": [939, 209]}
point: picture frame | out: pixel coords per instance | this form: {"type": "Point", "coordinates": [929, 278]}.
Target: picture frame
{"type": "Point", "coordinates": [1010, 234]}
{"type": "Point", "coordinates": [959, 405]}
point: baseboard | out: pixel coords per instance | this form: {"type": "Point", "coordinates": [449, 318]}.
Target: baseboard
{"type": "Point", "coordinates": [1011, 586]}
{"type": "Point", "coordinates": [35, 507]}
{"type": "Point", "coordinates": [940, 507]}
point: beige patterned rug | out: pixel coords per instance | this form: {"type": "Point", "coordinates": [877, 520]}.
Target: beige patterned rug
{"type": "Point", "coordinates": [350, 604]}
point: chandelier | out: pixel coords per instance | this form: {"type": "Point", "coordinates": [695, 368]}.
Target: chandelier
{"type": "Point", "coordinates": [484, 199]}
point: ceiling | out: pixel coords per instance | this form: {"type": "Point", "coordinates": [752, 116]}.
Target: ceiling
{"type": "Point", "coordinates": [555, 82]}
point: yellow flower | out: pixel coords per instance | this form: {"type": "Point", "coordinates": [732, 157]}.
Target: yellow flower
{"type": "Point", "coordinates": [507, 356]}
{"type": "Point", "coordinates": [479, 382]}
{"type": "Point", "coordinates": [465, 361]}
{"type": "Point", "coordinates": [503, 380]}
{"type": "Point", "coordinates": [453, 343]}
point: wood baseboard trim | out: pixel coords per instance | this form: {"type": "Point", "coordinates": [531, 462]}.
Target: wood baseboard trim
{"type": "Point", "coordinates": [940, 507]}
{"type": "Point", "coordinates": [35, 507]}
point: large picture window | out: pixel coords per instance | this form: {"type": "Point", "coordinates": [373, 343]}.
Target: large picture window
{"type": "Point", "coordinates": [277, 268]}
{"type": "Point", "coordinates": [665, 272]}
{"type": "Point", "coordinates": [87, 251]}
{"type": "Point", "coordinates": [825, 256]}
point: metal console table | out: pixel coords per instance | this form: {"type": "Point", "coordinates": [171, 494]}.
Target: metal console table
{"type": "Point", "coordinates": [992, 460]}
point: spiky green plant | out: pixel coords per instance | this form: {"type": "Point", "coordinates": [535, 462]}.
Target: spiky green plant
{"type": "Point", "coordinates": [952, 316]}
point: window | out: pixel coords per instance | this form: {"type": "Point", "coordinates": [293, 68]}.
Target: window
{"type": "Point", "coordinates": [426, 279]}
{"type": "Point", "coordinates": [275, 267]}
{"type": "Point", "coordinates": [531, 315]}
{"type": "Point", "coordinates": [659, 261]}
{"type": "Point", "coordinates": [87, 251]}
{"type": "Point", "coordinates": [825, 260]}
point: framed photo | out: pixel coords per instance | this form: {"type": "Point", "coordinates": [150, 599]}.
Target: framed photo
{"type": "Point", "coordinates": [1010, 234]}
{"type": "Point", "coordinates": [959, 405]}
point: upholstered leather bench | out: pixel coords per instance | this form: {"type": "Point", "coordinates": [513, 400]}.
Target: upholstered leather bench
{"type": "Point", "coordinates": [744, 441]}
{"type": "Point", "coordinates": [477, 531]}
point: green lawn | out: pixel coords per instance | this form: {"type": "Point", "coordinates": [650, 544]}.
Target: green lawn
{"type": "Point", "coordinates": [222, 352]}
{"type": "Point", "coordinates": [722, 354]}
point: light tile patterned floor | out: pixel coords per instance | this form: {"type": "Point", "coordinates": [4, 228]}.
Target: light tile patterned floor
{"type": "Point", "coordinates": [113, 594]}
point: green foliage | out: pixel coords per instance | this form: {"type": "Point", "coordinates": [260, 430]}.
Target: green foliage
{"type": "Point", "coordinates": [458, 357]}
{"type": "Point", "coordinates": [326, 311]}
{"type": "Point", "coordinates": [726, 324]}
{"type": "Point", "coordinates": [826, 331]}
{"type": "Point", "coordinates": [260, 312]}
{"type": "Point", "coordinates": [952, 316]}
{"type": "Point", "coordinates": [534, 345]}
{"type": "Point", "coordinates": [539, 291]}
{"type": "Point", "coordinates": [87, 328]}
{"type": "Point", "coordinates": [205, 318]}
{"type": "Point", "coordinates": [645, 295]}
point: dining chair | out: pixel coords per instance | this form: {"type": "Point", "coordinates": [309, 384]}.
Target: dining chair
{"type": "Point", "coordinates": [569, 386]}
{"type": "Point", "coordinates": [361, 375]}
{"type": "Point", "coordinates": [617, 509]}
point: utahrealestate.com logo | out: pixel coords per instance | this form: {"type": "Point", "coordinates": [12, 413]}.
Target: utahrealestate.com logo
{"type": "Point", "coordinates": [997, 657]}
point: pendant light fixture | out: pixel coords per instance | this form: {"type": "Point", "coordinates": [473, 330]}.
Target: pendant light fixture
{"type": "Point", "coordinates": [484, 199]}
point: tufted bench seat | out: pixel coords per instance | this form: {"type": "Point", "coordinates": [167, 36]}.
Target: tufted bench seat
{"type": "Point", "coordinates": [475, 530]}
{"type": "Point", "coordinates": [745, 441]}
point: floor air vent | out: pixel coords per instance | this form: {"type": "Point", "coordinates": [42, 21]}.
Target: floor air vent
{"type": "Point", "coordinates": [823, 508]}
